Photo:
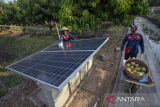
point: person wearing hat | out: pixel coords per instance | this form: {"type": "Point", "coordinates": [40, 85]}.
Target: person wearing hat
{"type": "Point", "coordinates": [66, 36]}
{"type": "Point", "coordinates": [131, 42]}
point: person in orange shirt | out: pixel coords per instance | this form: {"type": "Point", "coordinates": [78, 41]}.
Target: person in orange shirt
{"type": "Point", "coordinates": [66, 36]}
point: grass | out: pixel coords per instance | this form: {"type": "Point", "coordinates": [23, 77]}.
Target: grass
{"type": "Point", "coordinates": [2, 93]}
{"type": "Point", "coordinates": [157, 18]}
{"type": "Point", "coordinates": [24, 47]}
{"type": "Point", "coordinates": [114, 29]}
{"type": "Point", "coordinates": [31, 45]}
{"type": "Point", "coordinates": [19, 48]}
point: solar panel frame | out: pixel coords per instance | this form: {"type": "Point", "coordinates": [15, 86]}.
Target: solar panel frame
{"type": "Point", "coordinates": [69, 77]}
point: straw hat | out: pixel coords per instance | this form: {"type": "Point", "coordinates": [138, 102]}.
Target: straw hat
{"type": "Point", "coordinates": [133, 26]}
{"type": "Point", "coordinates": [64, 28]}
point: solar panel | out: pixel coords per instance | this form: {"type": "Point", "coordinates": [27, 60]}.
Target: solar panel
{"type": "Point", "coordinates": [88, 44]}
{"type": "Point", "coordinates": [54, 66]}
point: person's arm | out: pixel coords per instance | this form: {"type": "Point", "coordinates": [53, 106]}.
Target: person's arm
{"type": "Point", "coordinates": [141, 43]}
{"type": "Point", "coordinates": [71, 36]}
{"type": "Point", "coordinates": [129, 30]}
{"type": "Point", "coordinates": [61, 37]}
{"type": "Point", "coordinates": [123, 43]}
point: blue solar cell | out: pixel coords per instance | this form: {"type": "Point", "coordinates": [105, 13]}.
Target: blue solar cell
{"type": "Point", "coordinates": [60, 80]}
{"type": "Point", "coordinates": [19, 67]}
{"type": "Point", "coordinates": [54, 65]}
{"type": "Point", "coordinates": [91, 44]}
{"type": "Point", "coordinates": [32, 72]}
{"type": "Point", "coordinates": [51, 64]}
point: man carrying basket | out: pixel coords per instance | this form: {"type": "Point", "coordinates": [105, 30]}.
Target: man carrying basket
{"type": "Point", "coordinates": [131, 42]}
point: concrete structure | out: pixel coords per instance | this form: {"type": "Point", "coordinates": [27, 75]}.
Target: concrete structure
{"type": "Point", "coordinates": [56, 96]}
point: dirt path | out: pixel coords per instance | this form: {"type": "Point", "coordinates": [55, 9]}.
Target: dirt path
{"type": "Point", "coordinates": [102, 77]}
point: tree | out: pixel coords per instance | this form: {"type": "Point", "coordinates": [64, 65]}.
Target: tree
{"type": "Point", "coordinates": [35, 12]}
{"type": "Point", "coordinates": [154, 2]}
{"type": "Point", "coordinates": [78, 15]}
{"type": "Point", "coordinates": [2, 12]}
{"type": "Point", "coordinates": [118, 10]}
{"type": "Point", "coordinates": [139, 7]}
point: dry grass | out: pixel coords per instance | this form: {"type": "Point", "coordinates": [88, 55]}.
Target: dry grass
{"type": "Point", "coordinates": [13, 49]}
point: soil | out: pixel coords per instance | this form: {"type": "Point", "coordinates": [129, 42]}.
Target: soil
{"type": "Point", "coordinates": [99, 82]}
{"type": "Point", "coordinates": [6, 54]}
{"type": "Point", "coordinates": [9, 32]}
{"type": "Point", "coordinates": [18, 96]}
{"type": "Point", "coordinates": [151, 19]}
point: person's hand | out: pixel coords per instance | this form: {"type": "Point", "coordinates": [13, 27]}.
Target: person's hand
{"type": "Point", "coordinates": [142, 55]}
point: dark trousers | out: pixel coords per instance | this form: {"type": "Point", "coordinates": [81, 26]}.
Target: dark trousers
{"type": "Point", "coordinates": [130, 55]}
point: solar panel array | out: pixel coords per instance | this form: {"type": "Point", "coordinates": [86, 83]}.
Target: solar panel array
{"type": "Point", "coordinates": [92, 44]}
{"type": "Point", "coordinates": [54, 65]}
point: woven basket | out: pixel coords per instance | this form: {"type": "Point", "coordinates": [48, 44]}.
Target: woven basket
{"type": "Point", "coordinates": [134, 76]}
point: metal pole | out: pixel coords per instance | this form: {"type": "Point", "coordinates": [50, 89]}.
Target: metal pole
{"type": "Point", "coordinates": [57, 31]}
{"type": "Point", "coordinates": [61, 43]}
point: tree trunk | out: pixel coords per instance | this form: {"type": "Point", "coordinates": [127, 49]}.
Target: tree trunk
{"type": "Point", "coordinates": [50, 30]}
{"type": "Point", "coordinates": [23, 27]}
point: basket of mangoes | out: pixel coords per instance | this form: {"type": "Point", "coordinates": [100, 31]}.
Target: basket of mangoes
{"type": "Point", "coordinates": [135, 69]}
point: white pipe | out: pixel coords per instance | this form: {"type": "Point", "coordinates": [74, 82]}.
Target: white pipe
{"type": "Point", "coordinates": [57, 31]}
{"type": "Point", "coordinates": [95, 105]}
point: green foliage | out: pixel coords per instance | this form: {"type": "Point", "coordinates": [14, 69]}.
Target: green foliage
{"type": "Point", "coordinates": [78, 15]}
{"type": "Point", "coordinates": [13, 80]}
{"type": "Point", "coordinates": [139, 7]}
{"type": "Point", "coordinates": [154, 2]}
{"type": "Point", "coordinates": [3, 13]}
{"type": "Point", "coordinates": [157, 18]}
{"type": "Point", "coordinates": [78, 18]}
{"type": "Point", "coordinates": [119, 6]}
{"type": "Point", "coordinates": [23, 47]}
{"type": "Point", "coordinates": [23, 15]}
{"type": "Point", "coordinates": [128, 20]}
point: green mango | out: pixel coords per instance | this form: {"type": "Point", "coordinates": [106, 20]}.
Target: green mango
{"type": "Point", "coordinates": [136, 73]}
{"type": "Point", "coordinates": [132, 67]}
{"type": "Point", "coordinates": [133, 63]}
{"type": "Point", "coordinates": [143, 73]}
{"type": "Point", "coordinates": [137, 65]}
{"type": "Point", "coordinates": [143, 69]}
{"type": "Point", "coordinates": [137, 68]}
{"type": "Point", "coordinates": [128, 65]}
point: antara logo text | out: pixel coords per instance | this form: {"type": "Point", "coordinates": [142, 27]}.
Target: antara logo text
{"type": "Point", "coordinates": [113, 100]}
